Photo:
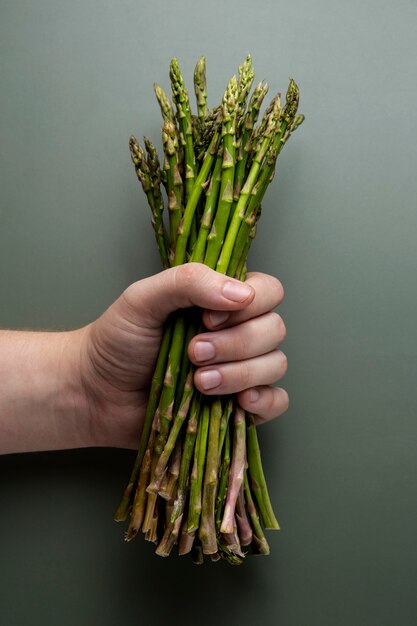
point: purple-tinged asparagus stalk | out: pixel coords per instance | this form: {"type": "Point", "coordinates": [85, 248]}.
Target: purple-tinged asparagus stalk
{"type": "Point", "coordinates": [243, 525]}
{"type": "Point", "coordinates": [187, 538]}
{"type": "Point", "coordinates": [197, 474]}
{"type": "Point", "coordinates": [207, 533]}
{"type": "Point", "coordinates": [236, 471]}
{"type": "Point", "coordinates": [232, 542]}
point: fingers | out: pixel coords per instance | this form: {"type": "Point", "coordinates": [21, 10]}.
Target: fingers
{"type": "Point", "coordinates": [151, 300]}
{"type": "Point", "coordinates": [264, 402]}
{"type": "Point", "coordinates": [240, 353]}
{"type": "Point", "coordinates": [225, 378]}
{"type": "Point", "coordinates": [252, 338]}
{"type": "Point", "coordinates": [268, 294]}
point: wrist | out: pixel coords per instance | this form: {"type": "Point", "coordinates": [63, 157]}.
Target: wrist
{"type": "Point", "coordinates": [72, 405]}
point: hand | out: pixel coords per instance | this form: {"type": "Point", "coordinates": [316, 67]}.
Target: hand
{"type": "Point", "coordinates": [238, 354]}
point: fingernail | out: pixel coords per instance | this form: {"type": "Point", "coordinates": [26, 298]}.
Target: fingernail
{"type": "Point", "coordinates": [236, 291]}
{"type": "Point", "coordinates": [254, 395]}
{"type": "Point", "coordinates": [210, 379]}
{"type": "Point", "coordinates": [203, 351]}
{"type": "Point", "coordinates": [218, 317]}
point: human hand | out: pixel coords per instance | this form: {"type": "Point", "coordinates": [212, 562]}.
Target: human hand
{"type": "Point", "coordinates": [238, 353]}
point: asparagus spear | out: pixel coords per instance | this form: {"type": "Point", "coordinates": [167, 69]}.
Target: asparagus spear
{"type": "Point", "coordinates": [198, 470]}
{"type": "Point", "coordinates": [207, 533]}
{"type": "Point", "coordinates": [187, 218]}
{"type": "Point", "coordinates": [180, 95]}
{"type": "Point", "coordinates": [150, 180]}
{"type": "Point", "coordinates": [200, 87]}
{"type": "Point", "coordinates": [216, 236]}
{"type": "Point", "coordinates": [236, 471]}
{"type": "Point", "coordinates": [248, 125]}
{"type": "Point", "coordinates": [174, 180]}
{"type": "Point", "coordinates": [172, 530]}
{"type": "Point", "coordinates": [239, 213]}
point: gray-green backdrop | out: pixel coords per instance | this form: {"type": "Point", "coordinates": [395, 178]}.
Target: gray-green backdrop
{"type": "Point", "coordinates": [339, 228]}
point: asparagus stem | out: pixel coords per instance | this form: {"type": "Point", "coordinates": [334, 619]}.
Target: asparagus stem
{"type": "Point", "coordinates": [187, 218]}
{"type": "Point", "coordinates": [172, 530]}
{"type": "Point", "coordinates": [173, 434]}
{"type": "Point", "coordinates": [170, 479]}
{"type": "Point", "coordinates": [151, 498]}
{"type": "Point", "coordinates": [232, 544]}
{"type": "Point", "coordinates": [186, 540]}
{"type": "Point", "coordinates": [193, 324]}
{"type": "Point", "coordinates": [207, 532]}
{"type": "Point", "coordinates": [258, 534]}
{"type": "Point", "coordinates": [166, 402]}
{"type": "Point", "coordinates": [224, 479]}
{"type": "Point", "coordinates": [241, 267]}
{"type": "Point", "coordinates": [224, 424]}
{"type": "Point", "coordinates": [197, 474]}
{"type": "Point", "coordinates": [243, 525]}
{"type": "Point", "coordinates": [236, 470]}
{"type": "Point", "coordinates": [138, 508]}
{"type": "Point", "coordinates": [216, 236]}
{"type": "Point", "coordinates": [152, 533]}
{"type": "Point", "coordinates": [257, 476]}
{"type": "Point", "coordinates": [209, 212]}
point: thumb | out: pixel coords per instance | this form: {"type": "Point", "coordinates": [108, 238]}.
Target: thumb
{"type": "Point", "coordinates": [191, 284]}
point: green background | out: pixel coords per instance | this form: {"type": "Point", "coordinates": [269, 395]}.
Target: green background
{"type": "Point", "coordinates": [339, 229]}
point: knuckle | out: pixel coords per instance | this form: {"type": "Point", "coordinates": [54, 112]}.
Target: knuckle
{"type": "Point", "coordinates": [245, 375]}
{"type": "Point", "coordinates": [286, 400]}
{"type": "Point", "coordinates": [238, 347]}
{"type": "Point", "coordinates": [271, 404]}
{"type": "Point", "coordinates": [186, 275]}
{"type": "Point", "coordinates": [277, 289]}
{"type": "Point", "coordinates": [279, 326]}
{"type": "Point", "coordinates": [283, 401]}
{"type": "Point", "coordinates": [283, 363]}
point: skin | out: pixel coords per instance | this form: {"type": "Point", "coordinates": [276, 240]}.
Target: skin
{"type": "Point", "coordinates": [89, 387]}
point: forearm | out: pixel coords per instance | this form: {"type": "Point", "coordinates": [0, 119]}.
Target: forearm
{"type": "Point", "coordinates": [42, 404]}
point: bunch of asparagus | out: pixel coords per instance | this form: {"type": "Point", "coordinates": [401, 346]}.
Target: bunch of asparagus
{"type": "Point", "coordinates": [198, 480]}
